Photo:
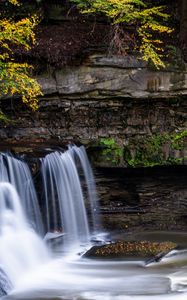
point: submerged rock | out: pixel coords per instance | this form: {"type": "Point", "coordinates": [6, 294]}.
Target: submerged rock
{"type": "Point", "coordinates": [121, 249]}
{"type": "Point", "coordinates": [173, 257]}
{"type": "Point", "coordinates": [5, 284]}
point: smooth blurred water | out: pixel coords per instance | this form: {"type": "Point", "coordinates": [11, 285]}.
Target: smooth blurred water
{"type": "Point", "coordinates": [16, 172]}
{"type": "Point", "coordinates": [36, 272]}
{"type": "Point", "coordinates": [64, 201]}
{"type": "Point", "coordinates": [78, 278]}
{"type": "Point", "coordinates": [79, 153]}
{"type": "Point", "coordinates": [21, 249]}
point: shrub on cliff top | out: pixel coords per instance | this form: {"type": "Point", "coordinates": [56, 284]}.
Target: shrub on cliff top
{"type": "Point", "coordinates": [15, 77]}
{"type": "Point", "coordinates": [148, 20]}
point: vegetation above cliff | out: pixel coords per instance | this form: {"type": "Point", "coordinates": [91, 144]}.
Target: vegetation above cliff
{"type": "Point", "coordinates": [119, 27]}
{"type": "Point", "coordinates": [66, 36]}
{"type": "Point", "coordinates": [148, 22]}
{"type": "Point", "coordinates": [15, 77]}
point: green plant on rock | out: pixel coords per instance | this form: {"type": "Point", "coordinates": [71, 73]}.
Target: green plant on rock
{"type": "Point", "coordinates": [3, 118]}
{"type": "Point", "coordinates": [148, 20]}
{"type": "Point", "coordinates": [148, 152]}
{"type": "Point", "coordinates": [111, 150]}
{"type": "Point", "coordinates": [177, 140]}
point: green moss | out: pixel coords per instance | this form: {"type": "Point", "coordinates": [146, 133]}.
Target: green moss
{"type": "Point", "coordinates": [4, 119]}
{"type": "Point", "coordinates": [178, 140]}
{"type": "Point", "coordinates": [148, 152]}
{"type": "Point", "coordinates": [158, 149]}
{"type": "Point", "coordinates": [111, 151]}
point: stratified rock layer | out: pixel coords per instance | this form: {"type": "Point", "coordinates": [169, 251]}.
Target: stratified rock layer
{"type": "Point", "coordinates": [106, 97]}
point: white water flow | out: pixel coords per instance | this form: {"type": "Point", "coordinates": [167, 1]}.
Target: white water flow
{"type": "Point", "coordinates": [87, 279]}
{"type": "Point", "coordinates": [25, 261]}
{"type": "Point", "coordinates": [64, 202]}
{"type": "Point", "coordinates": [80, 154]}
{"type": "Point", "coordinates": [17, 172]}
{"type": "Point", "coordinates": [21, 250]}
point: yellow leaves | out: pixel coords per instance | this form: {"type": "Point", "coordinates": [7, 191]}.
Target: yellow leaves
{"type": "Point", "coordinates": [155, 11]}
{"type": "Point", "coordinates": [19, 33]}
{"type": "Point", "coordinates": [156, 27]}
{"type": "Point", "coordinates": [15, 80]}
{"type": "Point", "coordinates": [4, 56]}
{"type": "Point", "coordinates": [111, 8]}
{"type": "Point", "coordinates": [148, 21]}
{"type": "Point", "coordinates": [15, 2]}
{"type": "Point", "coordinates": [149, 53]}
{"type": "Point", "coordinates": [151, 48]}
{"type": "Point", "coordinates": [131, 248]}
{"type": "Point", "coordinates": [15, 77]}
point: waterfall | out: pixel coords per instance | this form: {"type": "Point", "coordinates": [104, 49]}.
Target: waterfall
{"type": "Point", "coordinates": [66, 204]}
{"type": "Point", "coordinates": [21, 249]}
{"type": "Point", "coordinates": [64, 201]}
{"type": "Point", "coordinates": [27, 270]}
{"type": "Point", "coordinates": [63, 194]}
{"type": "Point", "coordinates": [80, 153]}
{"type": "Point", "coordinates": [17, 172]}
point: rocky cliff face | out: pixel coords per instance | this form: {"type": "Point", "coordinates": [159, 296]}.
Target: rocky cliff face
{"type": "Point", "coordinates": [124, 112]}
{"type": "Point", "coordinates": [136, 200]}
{"type": "Point", "coordinates": [108, 102]}
{"type": "Point", "coordinates": [106, 77]}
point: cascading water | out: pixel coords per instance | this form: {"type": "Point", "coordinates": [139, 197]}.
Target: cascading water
{"type": "Point", "coordinates": [21, 250]}
{"type": "Point", "coordinates": [80, 154]}
{"type": "Point", "coordinates": [65, 207]}
{"type": "Point", "coordinates": [25, 264]}
{"type": "Point", "coordinates": [17, 172]}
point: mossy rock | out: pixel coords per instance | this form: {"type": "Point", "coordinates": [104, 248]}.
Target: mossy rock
{"type": "Point", "coordinates": [125, 249]}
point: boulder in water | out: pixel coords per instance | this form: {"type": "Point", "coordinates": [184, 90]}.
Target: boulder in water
{"type": "Point", "coordinates": [123, 249]}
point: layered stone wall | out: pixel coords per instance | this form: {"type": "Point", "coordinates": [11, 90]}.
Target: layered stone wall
{"type": "Point", "coordinates": [126, 115]}
{"type": "Point", "coordinates": [108, 102]}
{"type": "Point", "coordinates": [137, 200]}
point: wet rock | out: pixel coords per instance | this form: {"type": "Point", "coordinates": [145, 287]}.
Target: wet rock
{"type": "Point", "coordinates": [173, 257]}
{"type": "Point", "coordinates": [61, 120]}
{"type": "Point", "coordinates": [53, 236]}
{"type": "Point", "coordinates": [122, 249]}
{"type": "Point", "coordinates": [5, 284]}
{"type": "Point", "coordinates": [149, 199]}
